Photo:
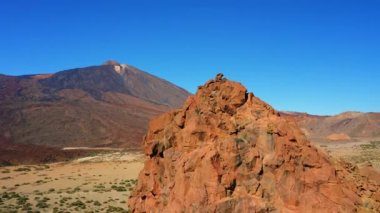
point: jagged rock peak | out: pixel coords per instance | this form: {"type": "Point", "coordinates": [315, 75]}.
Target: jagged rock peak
{"type": "Point", "coordinates": [219, 77]}
{"type": "Point", "coordinates": [226, 150]}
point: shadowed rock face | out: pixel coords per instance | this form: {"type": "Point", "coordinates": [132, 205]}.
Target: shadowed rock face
{"type": "Point", "coordinates": [226, 150]}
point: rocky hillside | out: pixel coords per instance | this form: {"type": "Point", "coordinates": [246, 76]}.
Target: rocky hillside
{"type": "Point", "coordinates": [343, 127]}
{"type": "Point", "coordinates": [225, 150]}
{"type": "Point", "coordinates": [106, 105]}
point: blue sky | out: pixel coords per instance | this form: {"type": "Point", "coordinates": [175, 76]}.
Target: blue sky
{"type": "Point", "coordinates": [321, 57]}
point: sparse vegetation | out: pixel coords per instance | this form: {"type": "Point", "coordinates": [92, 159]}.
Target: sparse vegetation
{"type": "Point", "coordinates": [63, 198]}
{"type": "Point", "coordinates": [40, 181]}
{"type": "Point", "coordinates": [78, 204]}
{"type": "Point", "coordinates": [41, 167]}
{"type": "Point", "coordinates": [5, 171]}
{"type": "Point", "coordinates": [116, 209]}
{"type": "Point", "coordinates": [371, 145]}
{"type": "Point", "coordinates": [75, 190]}
{"type": "Point", "coordinates": [22, 200]}
{"type": "Point", "coordinates": [22, 169]}
{"type": "Point", "coordinates": [42, 203]}
{"type": "Point", "coordinates": [118, 188]}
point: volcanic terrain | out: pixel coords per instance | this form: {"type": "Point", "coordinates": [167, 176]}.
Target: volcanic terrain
{"type": "Point", "coordinates": [99, 106]}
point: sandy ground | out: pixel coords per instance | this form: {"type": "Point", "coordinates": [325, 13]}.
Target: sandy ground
{"type": "Point", "coordinates": [93, 184]}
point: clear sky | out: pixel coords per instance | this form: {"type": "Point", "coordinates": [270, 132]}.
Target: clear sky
{"type": "Point", "coordinates": [321, 57]}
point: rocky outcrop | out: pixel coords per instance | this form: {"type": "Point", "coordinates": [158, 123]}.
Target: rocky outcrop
{"type": "Point", "coordinates": [226, 150]}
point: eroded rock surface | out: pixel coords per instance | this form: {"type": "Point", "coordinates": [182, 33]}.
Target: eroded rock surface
{"type": "Point", "coordinates": [226, 150]}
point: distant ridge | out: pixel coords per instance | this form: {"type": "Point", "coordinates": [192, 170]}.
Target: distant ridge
{"type": "Point", "coordinates": [349, 125]}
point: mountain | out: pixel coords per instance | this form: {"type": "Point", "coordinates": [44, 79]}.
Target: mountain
{"type": "Point", "coordinates": [106, 105]}
{"type": "Point", "coordinates": [117, 78]}
{"type": "Point", "coordinates": [225, 150]}
{"type": "Point", "coordinates": [345, 126]}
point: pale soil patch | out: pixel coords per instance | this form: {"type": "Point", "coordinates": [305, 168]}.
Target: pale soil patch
{"type": "Point", "coordinates": [91, 184]}
{"type": "Point", "coordinates": [338, 137]}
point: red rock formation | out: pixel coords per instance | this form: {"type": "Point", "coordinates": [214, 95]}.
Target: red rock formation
{"type": "Point", "coordinates": [226, 150]}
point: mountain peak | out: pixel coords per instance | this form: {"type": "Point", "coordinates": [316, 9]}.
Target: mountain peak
{"type": "Point", "coordinates": [221, 94]}
{"type": "Point", "coordinates": [111, 62]}
{"type": "Point", "coordinates": [120, 78]}
{"type": "Point", "coordinates": [118, 67]}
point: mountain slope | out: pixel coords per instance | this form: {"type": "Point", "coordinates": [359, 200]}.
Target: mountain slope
{"type": "Point", "coordinates": [107, 105]}
{"type": "Point", "coordinates": [119, 78]}
{"type": "Point", "coordinates": [150, 88]}
{"type": "Point", "coordinates": [344, 126]}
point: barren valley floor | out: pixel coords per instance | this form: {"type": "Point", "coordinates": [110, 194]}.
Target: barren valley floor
{"type": "Point", "coordinates": [358, 153]}
{"type": "Point", "coordinates": [103, 183]}
{"type": "Point", "coordinates": [93, 184]}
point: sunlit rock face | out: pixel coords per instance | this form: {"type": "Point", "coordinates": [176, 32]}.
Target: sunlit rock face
{"type": "Point", "coordinates": [226, 150]}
